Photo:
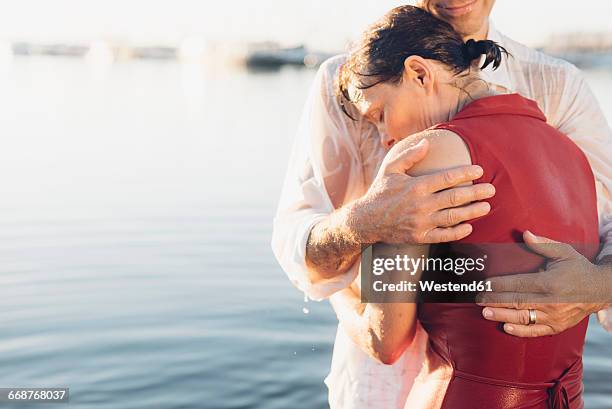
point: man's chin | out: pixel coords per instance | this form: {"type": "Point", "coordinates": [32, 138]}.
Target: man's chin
{"type": "Point", "coordinates": [467, 29]}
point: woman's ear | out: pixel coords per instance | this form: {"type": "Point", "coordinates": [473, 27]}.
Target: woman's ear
{"type": "Point", "coordinates": [419, 71]}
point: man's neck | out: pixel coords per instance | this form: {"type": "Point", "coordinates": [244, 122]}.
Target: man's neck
{"type": "Point", "coordinates": [481, 34]}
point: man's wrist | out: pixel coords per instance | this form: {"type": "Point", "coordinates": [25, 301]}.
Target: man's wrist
{"type": "Point", "coordinates": [334, 243]}
{"type": "Point", "coordinates": [606, 261]}
{"type": "Point", "coordinates": [605, 270]}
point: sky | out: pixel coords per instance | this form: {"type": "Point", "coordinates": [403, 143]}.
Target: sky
{"type": "Point", "coordinates": [321, 24]}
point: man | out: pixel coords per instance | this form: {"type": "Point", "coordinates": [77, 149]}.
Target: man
{"type": "Point", "coordinates": [334, 203]}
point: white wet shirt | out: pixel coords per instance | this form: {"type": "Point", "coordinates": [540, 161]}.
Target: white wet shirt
{"type": "Point", "coordinates": [334, 160]}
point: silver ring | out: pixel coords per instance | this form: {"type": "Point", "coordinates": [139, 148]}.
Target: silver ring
{"type": "Point", "coordinates": [532, 317]}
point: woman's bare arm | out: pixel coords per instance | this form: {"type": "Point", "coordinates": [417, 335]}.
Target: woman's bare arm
{"type": "Point", "coordinates": [385, 330]}
{"type": "Point", "coordinates": [382, 330]}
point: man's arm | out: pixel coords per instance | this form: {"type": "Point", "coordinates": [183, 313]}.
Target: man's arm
{"type": "Point", "coordinates": [322, 171]}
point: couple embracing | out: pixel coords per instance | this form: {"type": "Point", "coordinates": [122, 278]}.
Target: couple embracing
{"type": "Point", "coordinates": [438, 129]}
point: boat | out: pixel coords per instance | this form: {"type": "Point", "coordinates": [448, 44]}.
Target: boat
{"type": "Point", "coordinates": [272, 56]}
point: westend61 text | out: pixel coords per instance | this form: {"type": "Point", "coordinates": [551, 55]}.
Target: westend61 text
{"type": "Point", "coordinates": [431, 286]}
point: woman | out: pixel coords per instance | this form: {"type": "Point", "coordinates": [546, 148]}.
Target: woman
{"type": "Point", "coordinates": [413, 75]}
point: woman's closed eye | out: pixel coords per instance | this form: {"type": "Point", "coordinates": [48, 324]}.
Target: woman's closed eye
{"type": "Point", "coordinates": [377, 117]}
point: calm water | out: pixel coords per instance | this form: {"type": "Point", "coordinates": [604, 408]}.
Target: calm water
{"type": "Point", "coordinates": [135, 224]}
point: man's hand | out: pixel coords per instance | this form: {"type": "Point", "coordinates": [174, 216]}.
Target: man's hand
{"type": "Point", "coordinates": [398, 209]}
{"type": "Point", "coordinates": [426, 209]}
{"type": "Point", "coordinates": [564, 294]}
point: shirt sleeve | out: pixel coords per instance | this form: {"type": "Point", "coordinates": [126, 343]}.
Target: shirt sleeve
{"type": "Point", "coordinates": [324, 172]}
{"type": "Point", "coordinates": [605, 319]}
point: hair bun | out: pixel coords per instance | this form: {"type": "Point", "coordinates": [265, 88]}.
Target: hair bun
{"type": "Point", "coordinates": [492, 51]}
{"type": "Point", "coordinates": [472, 50]}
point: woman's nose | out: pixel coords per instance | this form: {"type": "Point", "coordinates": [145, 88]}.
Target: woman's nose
{"type": "Point", "coordinates": [387, 140]}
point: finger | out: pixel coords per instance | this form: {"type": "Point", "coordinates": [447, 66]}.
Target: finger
{"type": "Point", "coordinates": [405, 159]}
{"type": "Point", "coordinates": [512, 316]}
{"type": "Point", "coordinates": [446, 234]}
{"type": "Point", "coordinates": [519, 301]}
{"type": "Point", "coordinates": [521, 283]}
{"type": "Point", "coordinates": [528, 331]}
{"type": "Point", "coordinates": [451, 177]}
{"type": "Point", "coordinates": [460, 196]}
{"type": "Point", "coordinates": [547, 247]}
{"type": "Point", "coordinates": [456, 215]}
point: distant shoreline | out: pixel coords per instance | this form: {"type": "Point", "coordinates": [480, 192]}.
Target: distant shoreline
{"type": "Point", "coordinates": [593, 52]}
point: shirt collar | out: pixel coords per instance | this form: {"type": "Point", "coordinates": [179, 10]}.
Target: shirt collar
{"type": "Point", "coordinates": [509, 104]}
{"type": "Point", "coordinates": [499, 77]}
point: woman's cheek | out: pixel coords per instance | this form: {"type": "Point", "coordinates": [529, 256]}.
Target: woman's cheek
{"type": "Point", "coordinates": [401, 128]}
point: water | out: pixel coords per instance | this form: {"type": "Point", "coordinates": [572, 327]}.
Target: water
{"type": "Point", "coordinates": [135, 224]}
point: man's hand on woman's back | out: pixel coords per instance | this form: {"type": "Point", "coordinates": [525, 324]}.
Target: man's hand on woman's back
{"type": "Point", "coordinates": [568, 290]}
{"type": "Point", "coordinates": [431, 208]}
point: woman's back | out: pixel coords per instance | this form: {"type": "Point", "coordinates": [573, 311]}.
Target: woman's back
{"type": "Point", "coordinates": [544, 184]}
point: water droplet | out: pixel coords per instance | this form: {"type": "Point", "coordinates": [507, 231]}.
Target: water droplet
{"type": "Point", "coordinates": [305, 298]}
{"type": "Point", "coordinates": [305, 310]}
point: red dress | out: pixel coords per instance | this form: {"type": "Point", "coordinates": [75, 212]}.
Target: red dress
{"type": "Point", "coordinates": [545, 184]}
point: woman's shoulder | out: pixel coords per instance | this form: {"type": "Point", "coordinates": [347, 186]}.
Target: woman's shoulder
{"type": "Point", "coordinates": [446, 150]}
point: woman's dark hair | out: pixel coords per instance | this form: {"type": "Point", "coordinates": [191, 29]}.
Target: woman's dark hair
{"type": "Point", "coordinates": [401, 33]}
